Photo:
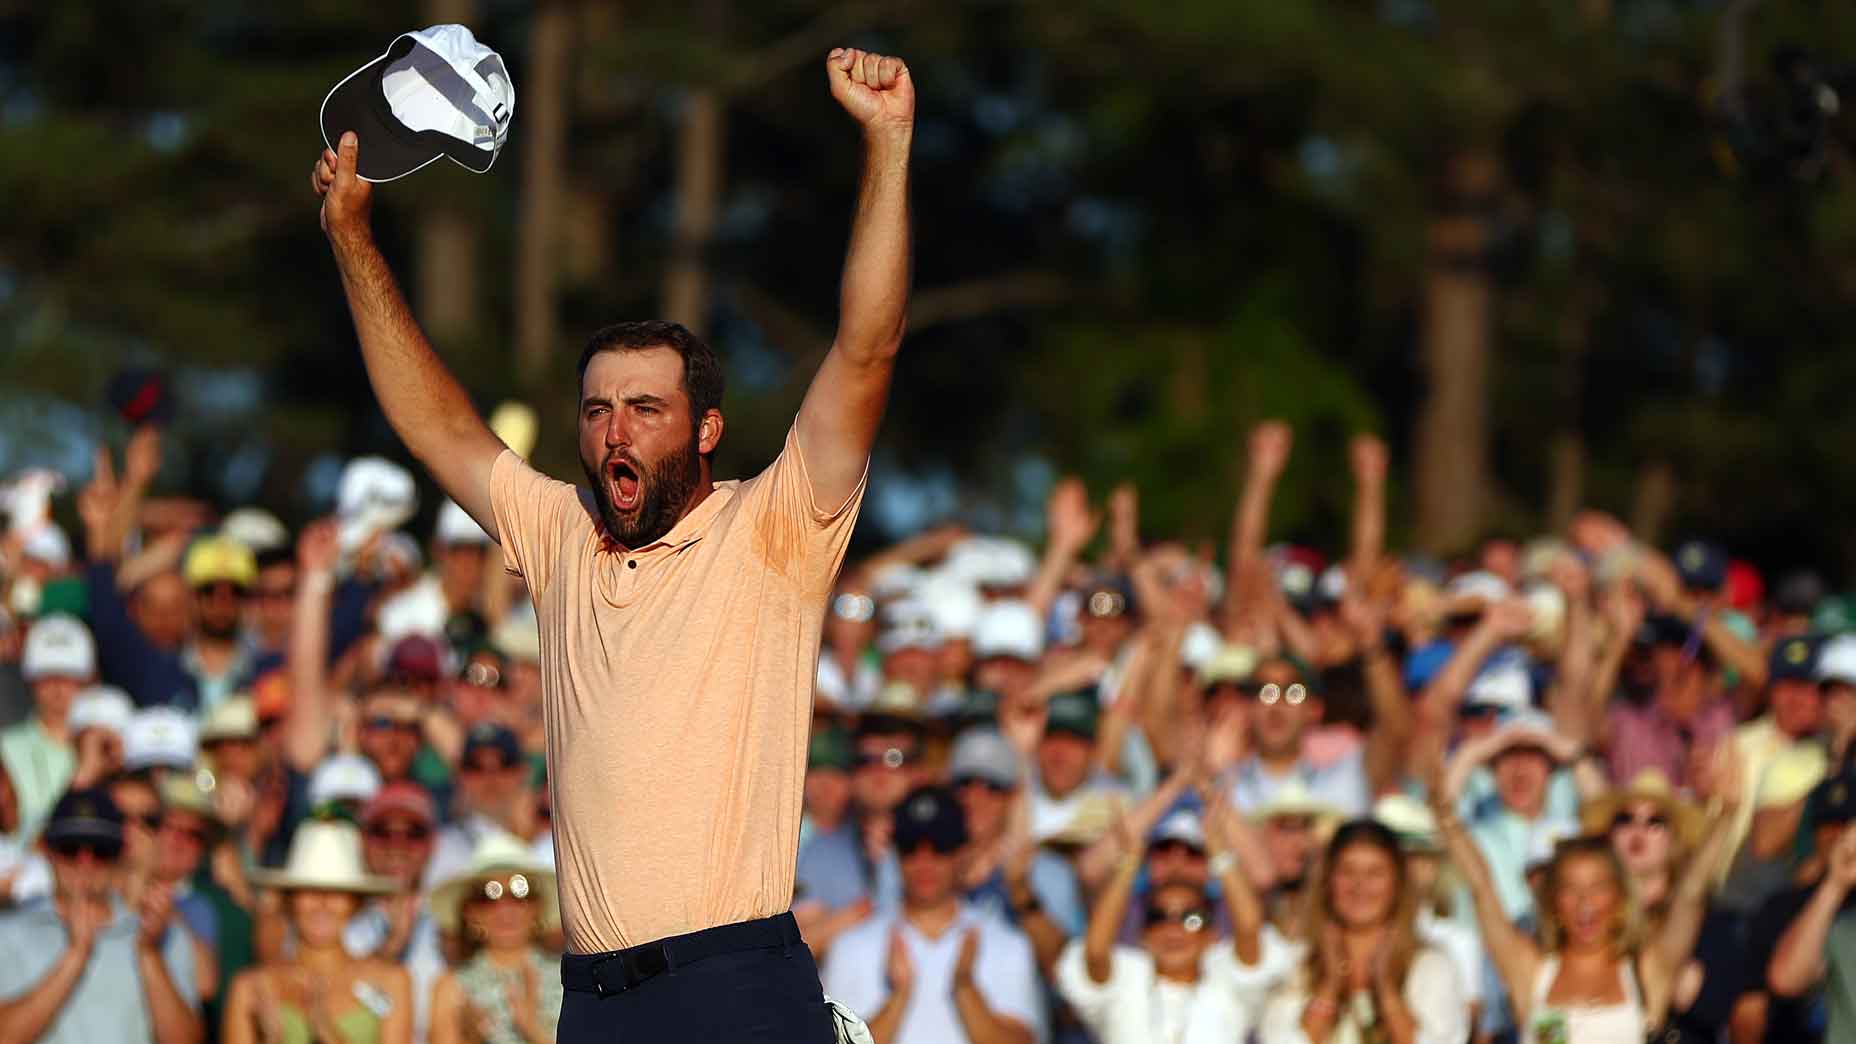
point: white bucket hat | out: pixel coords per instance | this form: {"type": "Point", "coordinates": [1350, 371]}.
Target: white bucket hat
{"type": "Point", "coordinates": [325, 856]}
{"type": "Point", "coordinates": [497, 855]}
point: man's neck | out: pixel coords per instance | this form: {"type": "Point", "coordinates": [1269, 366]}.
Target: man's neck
{"type": "Point", "coordinates": [1281, 762]}
{"type": "Point", "coordinates": [933, 921]}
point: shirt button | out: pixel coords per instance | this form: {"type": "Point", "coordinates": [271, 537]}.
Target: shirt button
{"type": "Point", "coordinates": [631, 563]}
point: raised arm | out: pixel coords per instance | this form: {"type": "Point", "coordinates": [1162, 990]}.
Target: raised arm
{"type": "Point", "coordinates": [1798, 962]}
{"type": "Point", "coordinates": [838, 421]}
{"type": "Point", "coordinates": [426, 405]}
{"type": "Point", "coordinates": [1069, 527]}
{"type": "Point", "coordinates": [1268, 453]}
{"type": "Point", "coordinates": [1502, 622]}
{"type": "Point", "coordinates": [1393, 720]}
{"type": "Point", "coordinates": [1367, 455]}
{"type": "Point", "coordinates": [306, 735]}
{"type": "Point", "coordinates": [1105, 920]}
{"type": "Point", "coordinates": [1515, 955]}
{"type": "Point", "coordinates": [1689, 903]}
{"type": "Point", "coordinates": [1235, 850]}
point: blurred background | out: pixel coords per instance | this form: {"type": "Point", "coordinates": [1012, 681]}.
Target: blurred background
{"type": "Point", "coordinates": [1589, 252]}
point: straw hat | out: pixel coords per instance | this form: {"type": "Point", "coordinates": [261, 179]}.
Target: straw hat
{"type": "Point", "coordinates": [1293, 798]}
{"type": "Point", "coordinates": [325, 856]}
{"type": "Point", "coordinates": [497, 854]}
{"type": "Point", "coordinates": [1653, 786]}
{"type": "Point", "coordinates": [1408, 817]}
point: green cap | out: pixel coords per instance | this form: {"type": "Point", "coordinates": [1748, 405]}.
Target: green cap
{"type": "Point", "coordinates": [830, 749]}
{"type": "Point", "coordinates": [1074, 713]}
{"type": "Point", "coordinates": [65, 595]}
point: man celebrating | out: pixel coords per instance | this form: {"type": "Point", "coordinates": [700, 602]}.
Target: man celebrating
{"type": "Point", "coordinates": [680, 616]}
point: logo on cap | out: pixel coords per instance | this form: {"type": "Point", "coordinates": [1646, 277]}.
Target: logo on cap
{"type": "Point", "coordinates": [1839, 794]}
{"type": "Point", "coordinates": [1796, 652]}
{"type": "Point", "coordinates": [923, 808]}
{"type": "Point", "coordinates": [1692, 557]}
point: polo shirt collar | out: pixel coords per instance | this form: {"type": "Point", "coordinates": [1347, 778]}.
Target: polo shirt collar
{"type": "Point", "coordinates": [691, 527]}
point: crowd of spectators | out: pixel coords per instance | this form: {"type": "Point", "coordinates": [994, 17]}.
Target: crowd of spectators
{"type": "Point", "coordinates": [267, 786]}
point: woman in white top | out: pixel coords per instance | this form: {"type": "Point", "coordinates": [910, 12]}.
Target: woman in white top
{"type": "Point", "coordinates": [1591, 979]}
{"type": "Point", "coordinates": [1366, 976]}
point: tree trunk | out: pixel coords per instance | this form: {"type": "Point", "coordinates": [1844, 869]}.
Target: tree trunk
{"type": "Point", "coordinates": [700, 148]}
{"type": "Point", "coordinates": [447, 266]}
{"type": "Point", "coordinates": [1453, 428]}
{"type": "Point", "coordinates": [544, 188]}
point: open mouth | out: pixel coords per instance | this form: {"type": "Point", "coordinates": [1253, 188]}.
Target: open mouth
{"type": "Point", "coordinates": [625, 485]}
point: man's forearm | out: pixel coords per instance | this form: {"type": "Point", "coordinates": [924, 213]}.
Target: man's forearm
{"type": "Point", "coordinates": [175, 1022]}
{"type": "Point", "coordinates": [874, 295]}
{"type": "Point", "coordinates": [27, 1019]}
{"type": "Point", "coordinates": [1798, 961]}
{"type": "Point", "coordinates": [887, 1023]}
{"type": "Point", "coordinates": [982, 1026]}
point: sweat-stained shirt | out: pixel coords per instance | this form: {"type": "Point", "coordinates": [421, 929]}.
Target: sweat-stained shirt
{"type": "Point", "coordinates": [677, 681]}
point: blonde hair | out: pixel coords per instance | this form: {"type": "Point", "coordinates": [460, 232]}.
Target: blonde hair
{"type": "Point", "coordinates": [1627, 929]}
{"type": "Point", "coordinates": [1318, 910]}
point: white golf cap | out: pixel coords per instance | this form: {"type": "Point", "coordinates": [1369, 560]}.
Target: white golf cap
{"type": "Point", "coordinates": [47, 543]}
{"type": "Point", "coordinates": [1481, 586]}
{"type": "Point", "coordinates": [435, 92]}
{"type": "Point", "coordinates": [344, 777]}
{"type": "Point", "coordinates": [160, 737]}
{"type": "Point", "coordinates": [257, 529]}
{"type": "Point", "coordinates": [1009, 628]}
{"type": "Point", "coordinates": [989, 561]}
{"type": "Point", "coordinates": [908, 624]}
{"type": "Point", "coordinates": [953, 603]}
{"type": "Point", "coordinates": [1836, 660]}
{"type": "Point", "coordinates": [1183, 826]}
{"type": "Point", "coordinates": [374, 495]}
{"type": "Point", "coordinates": [1505, 685]}
{"type": "Point", "coordinates": [58, 646]}
{"type": "Point", "coordinates": [101, 707]}
{"type": "Point", "coordinates": [455, 526]}
{"type": "Point", "coordinates": [1200, 645]}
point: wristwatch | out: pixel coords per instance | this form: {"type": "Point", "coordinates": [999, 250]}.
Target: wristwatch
{"type": "Point", "coordinates": [1222, 863]}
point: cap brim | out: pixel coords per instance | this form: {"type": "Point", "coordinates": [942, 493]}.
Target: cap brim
{"type": "Point", "coordinates": [284, 880]}
{"type": "Point", "coordinates": [388, 149]}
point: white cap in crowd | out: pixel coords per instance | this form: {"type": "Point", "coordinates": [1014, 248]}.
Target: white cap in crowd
{"type": "Point", "coordinates": [1182, 825]}
{"type": "Point", "coordinates": [160, 737]}
{"type": "Point", "coordinates": [375, 495]}
{"type": "Point", "coordinates": [58, 646]}
{"type": "Point", "coordinates": [455, 526]}
{"type": "Point", "coordinates": [1478, 586]}
{"type": "Point", "coordinates": [344, 777]}
{"type": "Point", "coordinates": [257, 529]}
{"type": "Point", "coordinates": [953, 603]}
{"type": "Point", "coordinates": [908, 624]}
{"type": "Point", "coordinates": [47, 543]}
{"type": "Point", "coordinates": [983, 754]}
{"type": "Point", "coordinates": [990, 561]}
{"type": "Point", "coordinates": [1200, 645]}
{"type": "Point", "coordinates": [1836, 660]}
{"type": "Point", "coordinates": [896, 580]}
{"type": "Point", "coordinates": [1008, 629]}
{"type": "Point", "coordinates": [1504, 685]}
{"type": "Point", "coordinates": [101, 707]}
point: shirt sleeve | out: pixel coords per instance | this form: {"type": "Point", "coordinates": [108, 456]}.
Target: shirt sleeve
{"type": "Point", "coordinates": [795, 530]}
{"type": "Point", "coordinates": [177, 954]}
{"type": "Point", "coordinates": [1093, 1001]}
{"type": "Point", "coordinates": [1276, 961]}
{"type": "Point", "coordinates": [1436, 999]}
{"type": "Point", "coordinates": [533, 513]}
{"type": "Point", "coordinates": [1007, 975]}
{"type": "Point", "coordinates": [125, 657]}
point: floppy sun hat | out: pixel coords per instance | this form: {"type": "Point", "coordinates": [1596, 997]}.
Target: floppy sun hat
{"type": "Point", "coordinates": [435, 92]}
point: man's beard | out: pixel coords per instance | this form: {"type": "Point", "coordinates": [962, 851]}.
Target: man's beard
{"type": "Point", "coordinates": [220, 631]}
{"type": "Point", "coordinates": [664, 490]}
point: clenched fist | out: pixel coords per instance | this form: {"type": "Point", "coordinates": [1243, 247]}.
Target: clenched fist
{"type": "Point", "coordinates": [346, 199]}
{"type": "Point", "coordinates": [874, 88]}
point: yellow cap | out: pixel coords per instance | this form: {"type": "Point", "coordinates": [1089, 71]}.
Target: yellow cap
{"type": "Point", "coordinates": [217, 559]}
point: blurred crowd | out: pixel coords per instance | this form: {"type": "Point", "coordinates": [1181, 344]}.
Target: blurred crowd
{"type": "Point", "coordinates": [258, 785]}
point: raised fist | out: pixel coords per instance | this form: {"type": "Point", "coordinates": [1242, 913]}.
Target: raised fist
{"type": "Point", "coordinates": [1367, 454]}
{"type": "Point", "coordinates": [346, 199]}
{"type": "Point", "coordinates": [874, 88]}
{"type": "Point", "coordinates": [1270, 443]}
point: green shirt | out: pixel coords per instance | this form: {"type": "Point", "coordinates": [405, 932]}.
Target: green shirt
{"type": "Point", "coordinates": [40, 766]}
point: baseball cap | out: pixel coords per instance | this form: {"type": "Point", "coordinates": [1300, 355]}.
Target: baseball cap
{"type": "Point", "coordinates": [1701, 565]}
{"type": "Point", "coordinates": [85, 815]}
{"type": "Point", "coordinates": [488, 735]}
{"type": "Point", "coordinates": [1477, 588]}
{"type": "Point", "coordinates": [1199, 644]}
{"type": "Point", "coordinates": [908, 623]}
{"type": "Point", "coordinates": [1836, 660]}
{"type": "Point", "coordinates": [1231, 665]}
{"type": "Point", "coordinates": [1798, 592]}
{"type": "Point", "coordinates": [1072, 713]}
{"type": "Point", "coordinates": [58, 646]}
{"type": "Point", "coordinates": [344, 777]}
{"type": "Point", "coordinates": [991, 561]}
{"type": "Point", "coordinates": [1108, 597]}
{"type": "Point", "coordinates": [235, 718]}
{"type": "Point", "coordinates": [951, 603]}
{"type": "Point", "coordinates": [455, 526]}
{"type": "Point", "coordinates": [930, 815]}
{"type": "Point", "coordinates": [418, 659]}
{"type": "Point", "coordinates": [257, 529]}
{"type": "Point", "coordinates": [1504, 685]}
{"type": "Point", "coordinates": [435, 92]}
{"type": "Point", "coordinates": [217, 559]}
{"type": "Point", "coordinates": [1010, 629]}
{"type": "Point", "coordinates": [101, 707]}
{"type": "Point", "coordinates": [403, 797]}
{"type": "Point", "coordinates": [983, 754]}
{"type": "Point", "coordinates": [160, 737]}
{"type": "Point", "coordinates": [373, 496]}
{"type": "Point", "coordinates": [47, 543]}
{"type": "Point", "coordinates": [1183, 826]}
{"type": "Point", "coordinates": [1794, 659]}
{"type": "Point", "coordinates": [830, 748]}
{"type": "Point", "coordinates": [1663, 629]}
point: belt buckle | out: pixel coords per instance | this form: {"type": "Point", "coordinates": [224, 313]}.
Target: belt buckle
{"type": "Point", "coordinates": [599, 982]}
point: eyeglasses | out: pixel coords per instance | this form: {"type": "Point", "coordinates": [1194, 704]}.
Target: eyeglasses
{"type": "Point", "coordinates": [495, 890]}
{"type": "Point", "coordinates": [403, 835]}
{"type": "Point", "coordinates": [893, 758]}
{"type": "Point", "coordinates": [1654, 821]}
{"type": "Point", "coordinates": [1107, 604]}
{"type": "Point", "coordinates": [482, 675]}
{"type": "Point", "coordinates": [102, 851]}
{"type": "Point", "coordinates": [1273, 692]}
{"type": "Point", "coordinates": [1191, 919]}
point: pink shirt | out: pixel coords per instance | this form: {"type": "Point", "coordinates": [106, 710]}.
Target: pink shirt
{"type": "Point", "coordinates": [1645, 737]}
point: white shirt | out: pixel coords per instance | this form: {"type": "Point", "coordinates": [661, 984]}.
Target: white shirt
{"type": "Point", "coordinates": [1136, 1006]}
{"type": "Point", "coordinates": [1340, 784]}
{"type": "Point", "coordinates": [1431, 992]}
{"type": "Point", "coordinates": [1004, 970]}
{"type": "Point", "coordinates": [1278, 959]}
{"type": "Point", "coordinates": [1462, 945]}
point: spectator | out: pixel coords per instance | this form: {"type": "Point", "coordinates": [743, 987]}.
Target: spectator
{"type": "Point", "coordinates": [1798, 678]}
{"type": "Point", "coordinates": [397, 828]}
{"type": "Point", "coordinates": [58, 661]}
{"type": "Point", "coordinates": [1286, 706]}
{"type": "Point", "coordinates": [830, 893]}
{"type": "Point", "coordinates": [1433, 890]}
{"type": "Point", "coordinates": [1366, 972]}
{"type": "Point", "coordinates": [188, 833]}
{"type": "Point", "coordinates": [160, 741]}
{"type": "Point", "coordinates": [221, 573]}
{"type": "Point", "coordinates": [937, 971]}
{"type": "Point", "coordinates": [911, 647]}
{"type": "Point", "coordinates": [1008, 639]}
{"type": "Point", "coordinates": [1797, 1012]}
{"type": "Point", "coordinates": [99, 718]}
{"type": "Point", "coordinates": [889, 763]}
{"type": "Point", "coordinates": [504, 908]}
{"type": "Point", "coordinates": [392, 730]}
{"type": "Point", "coordinates": [1521, 756]}
{"type": "Point", "coordinates": [321, 993]}
{"type": "Point", "coordinates": [480, 691]}
{"type": "Point", "coordinates": [1590, 978]}
{"type": "Point", "coordinates": [270, 606]}
{"type": "Point", "coordinates": [229, 739]}
{"type": "Point", "coordinates": [343, 783]}
{"type": "Point", "coordinates": [1071, 799]}
{"type": "Point", "coordinates": [493, 795]}
{"type": "Point", "coordinates": [1685, 711]}
{"type": "Point", "coordinates": [848, 671]}
{"type": "Point", "coordinates": [83, 968]}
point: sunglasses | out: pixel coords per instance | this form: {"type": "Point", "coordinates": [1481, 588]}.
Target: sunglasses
{"type": "Point", "coordinates": [894, 757]}
{"type": "Point", "coordinates": [1191, 919]}
{"type": "Point", "coordinates": [1654, 821]}
{"type": "Point", "coordinates": [390, 725]}
{"type": "Point", "coordinates": [939, 846]}
{"type": "Point", "coordinates": [496, 889]}
{"type": "Point", "coordinates": [102, 851]}
{"type": "Point", "coordinates": [404, 835]}
{"type": "Point", "coordinates": [1273, 692]}
{"type": "Point", "coordinates": [1172, 848]}
{"type": "Point", "coordinates": [195, 834]}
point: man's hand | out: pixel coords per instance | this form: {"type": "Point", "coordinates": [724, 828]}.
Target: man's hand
{"type": "Point", "coordinates": [346, 199]}
{"type": "Point", "coordinates": [318, 547]}
{"type": "Point", "coordinates": [1270, 443]}
{"type": "Point", "coordinates": [874, 88]}
{"type": "Point", "coordinates": [141, 459]}
{"type": "Point", "coordinates": [155, 910]}
{"type": "Point", "coordinates": [83, 922]}
{"type": "Point", "coordinates": [1070, 523]}
{"type": "Point", "coordinates": [1367, 454]}
{"type": "Point", "coordinates": [898, 968]}
{"type": "Point", "coordinates": [1510, 620]}
{"type": "Point", "coordinates": [963, 965]}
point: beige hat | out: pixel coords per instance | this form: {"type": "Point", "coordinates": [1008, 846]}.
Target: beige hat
{"type": "Point", "coordinates": [1229, 665]}
{"type": "Point", "coordinates": [497, 855]}
{"type": "Point", "coordinates": [234, 719]}
{"type": "Point", "coordinates": [1294, 799]}
{"type": "Point", "coordinates": [1408, 817]}
{"type": "Point", "coordinates": [1653, 786]}
{"type": "Point", "coordinates": [325, 856]}
{"type": "Point", "coordinates": [181, 790]}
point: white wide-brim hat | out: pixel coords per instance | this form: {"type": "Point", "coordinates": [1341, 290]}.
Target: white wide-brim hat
{"type": "Point", "coordinates": [497, 854]}
{"type": "Point", "coordinates": [325, 856]}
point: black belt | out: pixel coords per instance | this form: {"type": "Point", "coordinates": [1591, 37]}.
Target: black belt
{"type": "Point", "coordinates": [621, 970]}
